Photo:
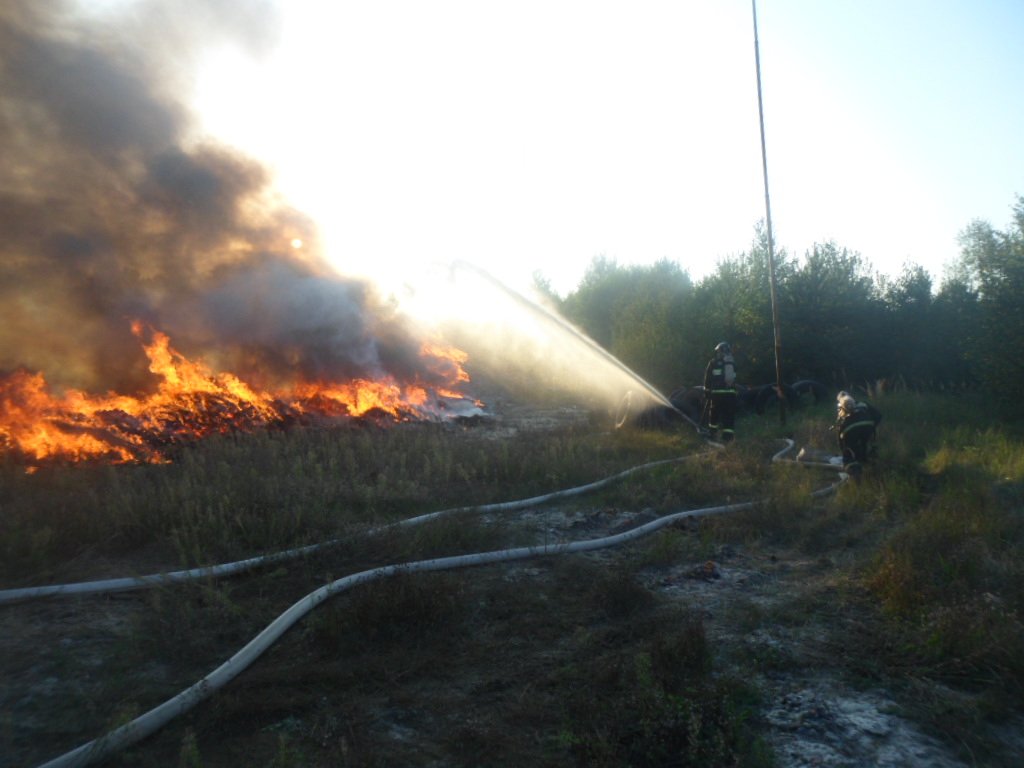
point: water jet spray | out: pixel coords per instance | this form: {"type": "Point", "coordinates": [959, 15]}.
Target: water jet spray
{"type": "Point", "coordinates": [553, 320]}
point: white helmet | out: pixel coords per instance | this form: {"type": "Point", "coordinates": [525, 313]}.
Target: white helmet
{"type": "Point", "coordinates": [845, 403]}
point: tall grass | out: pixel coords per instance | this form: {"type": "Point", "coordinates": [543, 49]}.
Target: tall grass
{"type": "Point", "coordinates": [230, 497]}
{"type": "Point", "coordinates": [931, 549]}
{"type": "Point", "coordinates": [945, 568]}
{"type": "Point", "coordinates": [917, 586]}
{"type": "Point", "coordinates": [952, 575]}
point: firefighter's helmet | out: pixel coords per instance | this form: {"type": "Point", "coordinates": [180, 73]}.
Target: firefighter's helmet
{"type": "Point", "coordinates": [845, 403]}
{"type": "Point", "coordinates": [723, 348]}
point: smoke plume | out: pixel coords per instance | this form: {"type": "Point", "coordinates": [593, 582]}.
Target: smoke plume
{"type": "Point", "coordinates": [111, 212]}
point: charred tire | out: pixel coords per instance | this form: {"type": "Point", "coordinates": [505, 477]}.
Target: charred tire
{"type": "Point", "coordinates": [768, 397]}
{"type": "Point", "coordinates": [658, 417]}
{"type": "Point", "coordinates": [695, 398]}
{"type": "Point", "coordinates": [689, 400]}
{"type": "Point", "coordinates": [651, 417]}
{"type": "Point", "coordinates": [807, 388]}
{"type": "Point", "coordinates": [624, 410]}
{"type": "Point", "coordinates": [746, 397]}
{"type": "Point", "coordinates": [676, 398]}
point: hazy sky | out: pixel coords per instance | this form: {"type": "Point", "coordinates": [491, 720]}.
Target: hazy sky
{"type": "Point", "coordinates": [535, 135]}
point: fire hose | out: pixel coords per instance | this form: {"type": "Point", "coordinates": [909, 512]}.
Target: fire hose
{"type": "Point", "coordinates": [151, 721]}
{"type": "Point", "coordinates": [228, 569]}
{"type": "Point", "coordinates": [131, 583]}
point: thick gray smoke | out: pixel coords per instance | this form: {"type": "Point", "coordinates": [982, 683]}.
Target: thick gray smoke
{"type": "Point", "coordinates": [109, 213]}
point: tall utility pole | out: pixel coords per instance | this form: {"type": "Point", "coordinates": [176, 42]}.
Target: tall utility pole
{"type": "Point", "coordinates": [768, 221]}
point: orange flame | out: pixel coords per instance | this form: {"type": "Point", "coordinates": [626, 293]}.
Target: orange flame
{"type": "Point", "coordinates": [192, 401]}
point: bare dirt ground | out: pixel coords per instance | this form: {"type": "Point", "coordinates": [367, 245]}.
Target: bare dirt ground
{"type": "Point", "coordinates": [811, 716]}
{"type": "Point", "coordinates": [53, 652]}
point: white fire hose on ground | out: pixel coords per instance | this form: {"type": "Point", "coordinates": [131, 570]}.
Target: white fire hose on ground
{"type": "Point", "coordinates": [156, 718]}
{"type": "Point", "coordinates": [131, 583]}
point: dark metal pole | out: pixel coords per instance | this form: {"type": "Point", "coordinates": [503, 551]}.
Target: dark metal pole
{"type": "Point", "coordinates": [768, 221]}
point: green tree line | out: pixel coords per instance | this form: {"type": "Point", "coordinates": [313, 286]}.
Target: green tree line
{"type": "Point", "coordinates": [840, 324]}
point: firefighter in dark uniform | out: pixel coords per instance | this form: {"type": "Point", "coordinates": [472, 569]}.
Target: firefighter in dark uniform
{"type": "Point", "coordinates": [720, 393]}
{"type": "Point", "coordinates": [856, 426]}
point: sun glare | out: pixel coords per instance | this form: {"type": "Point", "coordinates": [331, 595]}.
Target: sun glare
{"type": "Point", "coordinates": [419, 144]}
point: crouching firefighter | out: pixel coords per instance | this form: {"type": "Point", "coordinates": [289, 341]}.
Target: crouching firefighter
{"type": "Point", "coordinates": [856, 425]}
{"type": "Point", "coordinates": [720, 393]}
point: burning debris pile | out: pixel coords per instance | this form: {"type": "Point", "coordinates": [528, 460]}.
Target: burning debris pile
{"type": "Point", "coordinates": [192, 402]}
{"type": "Point", "coordinates": [124, 234]}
